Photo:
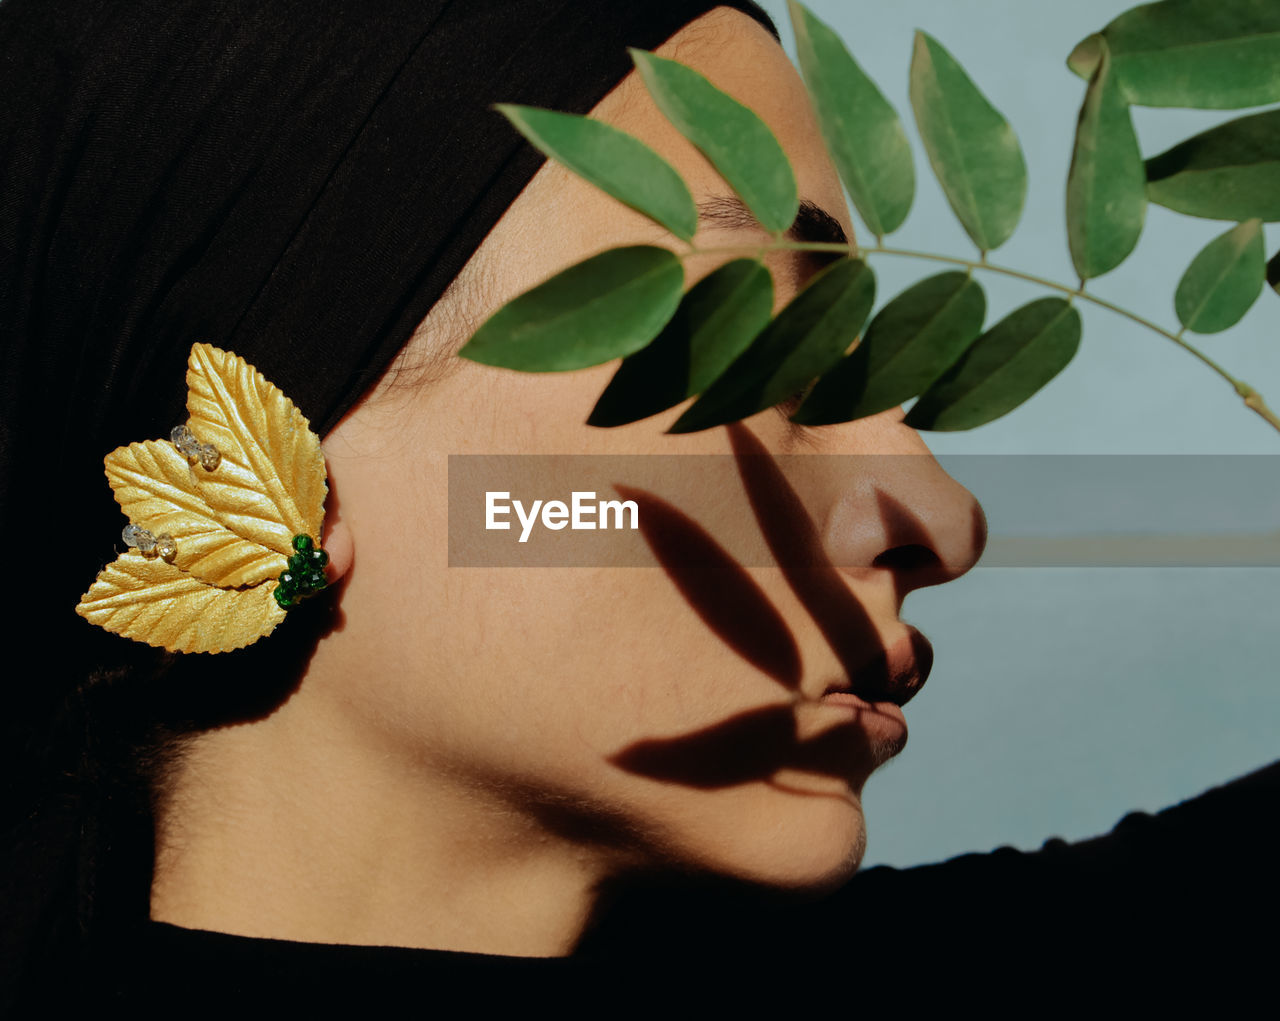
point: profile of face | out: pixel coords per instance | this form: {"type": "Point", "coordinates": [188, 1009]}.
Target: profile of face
{"type": "Point", "coordinates": [600, 720]}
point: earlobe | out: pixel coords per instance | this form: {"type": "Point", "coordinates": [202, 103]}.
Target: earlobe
{"type": "Point", "coordinates": [340, 545]}
{"type": "Point", "coordinates": [336, 539]}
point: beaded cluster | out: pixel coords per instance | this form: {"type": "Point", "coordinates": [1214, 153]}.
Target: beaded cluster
{"type": "Point", "coordinates": [144, 542]}
{"type": "Point", "coordinates": [163, 545]}
{"type": "Point", "coordinates": [206, 453]}
{"type": "Point", "coordinates": [305, 575]}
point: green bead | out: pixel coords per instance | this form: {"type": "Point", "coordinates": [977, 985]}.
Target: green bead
{"type": "Point", "coordinates": [305, 576]}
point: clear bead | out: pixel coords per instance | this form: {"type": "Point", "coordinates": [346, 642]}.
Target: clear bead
{"type": "Point", "coordinates": [139, 538]}
{"type": "Point", "coordinates": [185, 440]}
{"type": "Point", "coordinates": [165, 546]}
{"type": "Point", "coordinates": [209, 456]}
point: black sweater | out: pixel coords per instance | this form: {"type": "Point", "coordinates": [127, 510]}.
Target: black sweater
{"type": "Point", "coordinates": [1183, 898]}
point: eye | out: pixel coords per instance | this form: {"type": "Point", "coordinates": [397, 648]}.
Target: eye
{"type": "Point", "coordinates": [791, 403]}
{"type": "Point", "coordinates": [787, 407]}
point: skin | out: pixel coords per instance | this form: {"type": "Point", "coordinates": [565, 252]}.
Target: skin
{"type": "Point", "coordinates": [447, 773]}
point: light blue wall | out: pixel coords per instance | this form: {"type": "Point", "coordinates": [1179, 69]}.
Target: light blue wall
{"type": "Point", "coordinates": [1062, 698]}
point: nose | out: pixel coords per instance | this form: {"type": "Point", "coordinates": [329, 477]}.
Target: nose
{"type": "Point", "coordinates": [893, 509]}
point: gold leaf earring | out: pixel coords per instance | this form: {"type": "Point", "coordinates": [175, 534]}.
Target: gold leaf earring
{"type": "Point", "coordinates": [225, 517]}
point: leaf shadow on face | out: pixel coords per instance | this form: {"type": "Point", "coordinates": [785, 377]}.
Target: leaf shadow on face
{"type": "Point", "coordinates": [754, 745]}
{"type": "Point", "coordinates": [691, 913]}
{"type": "Point", "coordinates": [717, 588]}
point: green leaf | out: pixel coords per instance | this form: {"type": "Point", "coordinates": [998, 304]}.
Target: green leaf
{"type": "Point", "coordinates": [1207, 54]}
{"type": "Point", "coordinates": [1273, 272]}
{"type": "Point", "coordinates": [617, 163]}
{"type": "Point", "coordinates": [862, 131]}
{"type": "Point", "coordinates": [909, 344]}
{"type": "Point", "coordinates": [716, 321]}
{"type": "Point", "coordinates": [973, 150]}
{"type": "Point", "coordinates": [1002, 368]}
{"type": "Point", "coordinates": [1223, 281]}
{"type": "Point", "coordinates": [814, 330]}
{"type": "Point", "coordinates": [1230, 172]}
{"type": "Point", "coordinates": [734, 138]}
{"type": "Point", "coordinates": [1107, 185]}
{"type": "Point", "coordinates": [609, 305]}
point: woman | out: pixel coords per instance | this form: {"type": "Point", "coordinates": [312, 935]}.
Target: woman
{"type": "Point", "coordinates": [476, 761]}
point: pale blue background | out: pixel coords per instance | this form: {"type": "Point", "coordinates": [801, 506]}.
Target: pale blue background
{"type": "Point", "coordinates": [1062, 698]}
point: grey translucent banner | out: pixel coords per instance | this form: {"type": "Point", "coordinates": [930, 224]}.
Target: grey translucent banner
{"type": "Point", "coordinates": [818, 510]}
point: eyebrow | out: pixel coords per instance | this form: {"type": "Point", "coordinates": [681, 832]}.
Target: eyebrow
{"type": "Point", "coordinates": [813, 224]}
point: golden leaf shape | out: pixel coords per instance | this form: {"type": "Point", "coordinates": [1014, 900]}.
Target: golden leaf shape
{"type": "Point", "coordinates": [151, 601]}
{"type": "Point", "coordinates": [270, 484]}
{"type": "Point", "coordinates": [232, 525]}
{"type": "Point", "coordinates": [154, 485]}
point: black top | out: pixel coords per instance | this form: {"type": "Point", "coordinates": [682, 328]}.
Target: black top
{"type": "Point", "coordinates": [1184, 897]}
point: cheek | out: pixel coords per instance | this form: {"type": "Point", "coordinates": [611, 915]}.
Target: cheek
{"type": "Point", "coordinates": [545, 676]}
{"type": "Point", "coordinates": [599, 657]}
{"type": "Point", "coordinates": [541, 679]}
{"type": "Point", "coordinates": [533, 680]}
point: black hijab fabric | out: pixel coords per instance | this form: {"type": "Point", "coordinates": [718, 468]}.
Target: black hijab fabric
{"type": "Point", "coordinates": [297, 182]}
{"type": "Point", "coordinates": [293, 180]}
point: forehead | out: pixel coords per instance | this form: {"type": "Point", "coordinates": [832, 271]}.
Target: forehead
{"type": "Point", "coordinates": [740, 57]}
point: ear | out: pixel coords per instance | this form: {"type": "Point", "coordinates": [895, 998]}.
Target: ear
{"type": "Point", "coordinates": [337, 540]}
{"type": "Point", "coordinates": [340, 546]}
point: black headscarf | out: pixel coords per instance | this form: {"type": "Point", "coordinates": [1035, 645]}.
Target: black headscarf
{"type": "Point", "coordinates": [292, 180]}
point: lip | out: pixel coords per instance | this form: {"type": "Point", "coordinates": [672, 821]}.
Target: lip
{"type": "Point", "coordinates": [883, 724]}
{"type": "Point", "coordinates": [893, 674]}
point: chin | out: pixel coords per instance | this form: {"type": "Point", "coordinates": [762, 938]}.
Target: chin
{"type": "Point", "coordinates": [809, 845]}
{"type": "Point", "coordinates": [820, 868]}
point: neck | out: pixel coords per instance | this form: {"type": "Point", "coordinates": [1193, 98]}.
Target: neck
{"type": "Point", "coordinates": [277, 829]}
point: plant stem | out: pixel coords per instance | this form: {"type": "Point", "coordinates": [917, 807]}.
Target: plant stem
{"type": "Point", "coordinates": [1252, 399]}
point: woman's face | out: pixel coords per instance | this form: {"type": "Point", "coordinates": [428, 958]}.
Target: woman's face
{"type": "Point", "coordinates": [635, 714]}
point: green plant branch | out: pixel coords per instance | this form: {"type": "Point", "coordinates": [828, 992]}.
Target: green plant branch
{"type": "Point", "coordinates": [1252, 399]}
